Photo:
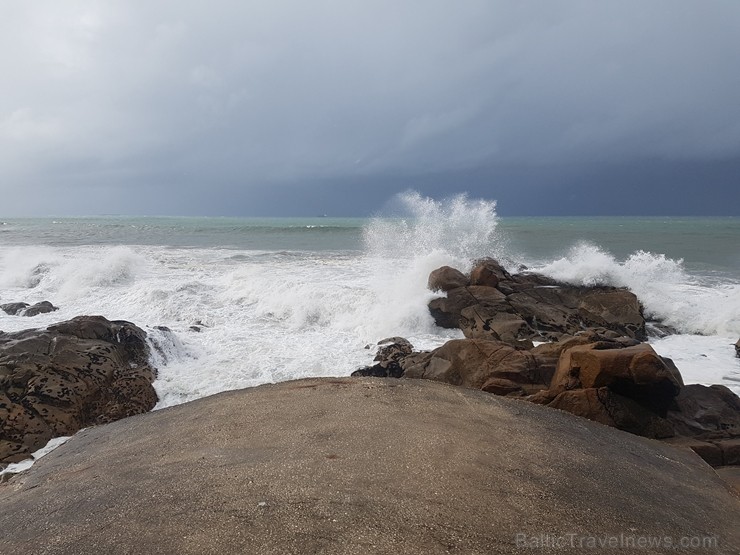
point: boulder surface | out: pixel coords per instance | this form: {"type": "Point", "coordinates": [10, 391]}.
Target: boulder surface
{"type": "Point", "coordinates": [77, 373]}
{"type": "Point", "coordinates": [356, 466]}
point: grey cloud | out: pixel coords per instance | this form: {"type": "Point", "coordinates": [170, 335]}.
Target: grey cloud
{"type": "Point", "coordinates": [187, 98]}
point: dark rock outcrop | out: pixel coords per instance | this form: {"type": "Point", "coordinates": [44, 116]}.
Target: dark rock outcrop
{"type": "Point", "coordinates": [479, 364]}
{"type": "Point", "coordinates": [390, 353]}
{"type": "Point", "coordinates": [737, 349]}
{"type": "Point", "coordinates": [24, 309]}
{"type": "Point", "coordinates": [74, 374]}
{"type": "Point", "coordinates": [511, 308]}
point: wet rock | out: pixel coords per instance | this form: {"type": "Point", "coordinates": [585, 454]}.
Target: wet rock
{"type": "Point", "coordinates": [636, 372]}
{"type": "Point", "coordinates": [14, 309]}
{"type": "Point", "coordinates": [24, 309]}
{"type": "Point", "coordinates": [501, 306]}
{"type": "Point", "coordinates": [446, 278]}
{"type": "Point", "coordinates": [74, 374]}
{"type": "Point", "coordinates": [39, 308]}
{"type": "Point", "coordinates": [391, 353]}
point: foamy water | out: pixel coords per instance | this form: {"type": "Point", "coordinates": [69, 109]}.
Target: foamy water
{"type": "Point", "coordinates": [312, 298]}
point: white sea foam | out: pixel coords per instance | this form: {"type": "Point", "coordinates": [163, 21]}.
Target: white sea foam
{"type": "Point", "coordinates": [268, 316]}
{"type": "Point", "coordinates": [666, 290]}
{"type": "Point", "coordinates": [23, 465]}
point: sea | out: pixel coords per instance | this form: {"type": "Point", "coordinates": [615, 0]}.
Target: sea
{"type": "Point", "coordinates": [236, 302]}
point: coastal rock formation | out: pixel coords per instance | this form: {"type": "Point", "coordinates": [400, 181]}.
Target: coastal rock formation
{"type": "Point", "coordinates": [24, 309]}
{"type": "Point", "coordinates": [511, 308]}
{"type": "Point", "coordinates": [616, 381]}
{"type": "Point", "coordinates": [490, 365]}
{"type": "Point", "coordinates": [446, 278]}
{"type": "Point", "coordinates": [391, 352]}
{"type": "Point", "coordinates": [737, 349]}
{"type": "Point", "coordinates": [74, 374]}
{"type": "Point", "coordinates": [357, 466]}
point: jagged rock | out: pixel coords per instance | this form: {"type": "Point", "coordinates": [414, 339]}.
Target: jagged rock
{"type": "Point", "coordinates": [389, 357]}
{"type": "Point", "coordinates": [501, 306]}
{"type": "Point", "coordinates": [446, 278]}
{"type": "Point", "coordinates": [446, 311]}
{"type": "Point", "coordinates": [737, 348]}
{"type": "Point", "coordinates": [493, 322]}
{"type": "Point", "coordinates": [74, 374]}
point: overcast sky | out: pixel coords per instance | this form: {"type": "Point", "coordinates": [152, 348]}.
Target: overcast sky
{"type": "Point", "coordinates": [272, 107]}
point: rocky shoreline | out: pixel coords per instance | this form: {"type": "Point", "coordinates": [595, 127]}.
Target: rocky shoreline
{"type": "Point", "coordinates": [474, 420]}
{"type": "Point", "coordinates": [590, 359]}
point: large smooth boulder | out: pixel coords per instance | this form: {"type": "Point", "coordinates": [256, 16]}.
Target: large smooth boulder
{"type": "Point", "coordinates": [446, 278]}
{"type": "Point", "coordinates": [636, 372]}
{"type": "Point", "coordinates": [357, 466]}
{"type": "Point", "coordinates": [74, 374]}
{"type": "Point", "coordinates": [446, 311]}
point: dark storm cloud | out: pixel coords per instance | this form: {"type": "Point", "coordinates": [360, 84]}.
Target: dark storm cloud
{"type": "Point", "coordinates": [185, 106]}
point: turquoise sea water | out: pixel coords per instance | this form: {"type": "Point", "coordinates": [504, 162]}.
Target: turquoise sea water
{"type": "Point", "coordinates": [706, 245]}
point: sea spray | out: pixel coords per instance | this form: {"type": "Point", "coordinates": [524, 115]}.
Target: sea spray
{"type": "Point", "coordinates": [668, 293]}
{"type": "Point", "coordinates": [272, 303]}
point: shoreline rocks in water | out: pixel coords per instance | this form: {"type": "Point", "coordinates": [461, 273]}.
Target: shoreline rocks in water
{"type": "Point", "coordinates": [25, 309]}
{"type": "Point", "coordinates": [593, 366]}
{"type": "Point", "coordinates": [358, 466]}
{"type": "Point", "coordinates": [495, 304]}
{"type": "Point", "coordinates": [73, 374]}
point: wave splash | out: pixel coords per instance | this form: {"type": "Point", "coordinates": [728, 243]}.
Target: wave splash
{"type": "Point", "coordinates": [662, 285]}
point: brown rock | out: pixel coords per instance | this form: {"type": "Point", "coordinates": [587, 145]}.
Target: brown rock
{"type": "Point", "coordinates": [493, 322]}
{"type": "Point", "coordinates": [701, 410]}
{"type": "Point", "coordinates": [446, 278]}
{"type": "Point", "coordinates": [635, 372]}
{"type": "Point", "coordinates": [604, 406]}
{"type": "Point", "coordinates": [78, 373]}
{"type": "Point", "coordinates": [541, 307]}
{"type": "Point", "coordinates": [489, 273]}
{"type": "Point", "coordinates": [473, 363]}
{"type": "Point", "coordinates": [446, 311]}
